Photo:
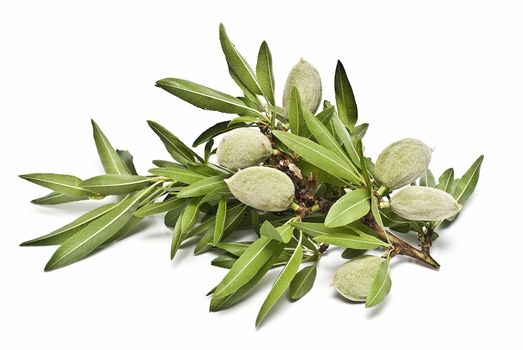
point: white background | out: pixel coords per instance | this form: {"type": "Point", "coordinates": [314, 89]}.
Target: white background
{"type": "Point", "coordinates": [447, 72]}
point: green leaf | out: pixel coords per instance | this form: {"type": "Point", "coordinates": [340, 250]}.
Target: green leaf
{"type": "Point", "coordinates": [468, 182]}
{"type": "Point", "coordinates": [111, 161]}
{"type": "Point", "coordinates": [327, 140]}
{"type": "Point", "coordinates": [281, 234]}
{"type": "Point", "coordinates": [208, 150]}
{"type": "Point", "coordinates": [178, 174]}
{"type": "Point", "coordinates": [445, 180]}
{"type": "Point", "coordinates": [159, 207]}
{"type": "Point", "coordinates": [127, 160]}
{"type": "Point", "coordinates": [264, 72]}
{"type": "Point", "coordinates": [177, 237]}
{"type": "Point", "coordinates": [176, 148]}
{"type": "Point", "coordinates": [296, 113]}
{"type": "Point", "coordinates": [350, 253]}
{"type": "Point", "coordinates": [354, 241]}
{"type": "Point", "coordinates": [218, 304]}
{"type": "Point", "coordinates": [351, 207]}
{"type": "Point", "coordinates": [233, 216]}
{"type": "Point", "coordinates": [205, 98]}
{"type": "Point", "coordinates": [247, 265]}
{"type": "Point", "coordinates": [203, 187]}
{"type": "Point", "coordinates": [215, 130]}
{"type": "Point", "coordinates": [302, 283]}
{"type": "Point", "coordinates": [65, 184]}
{"type": "Point", "coordinates": [219, 224]}
{"type": "Point", "coordinates": [238, 64]}
{"type": "Point", "coordinates": [224, 261]}
{"type": "Point", "coordinates": [282, 282]}
{"type": "Point", "coordinates": [427, 179]}
{"type": "Point", "coordinates": [345, 100]}
{"type": "Point", "coordinates": [62, 234]}
{"type": "Point", "coordinates": [190, 214]}
{"type": "Point", "coordinates": [314, 229]}
{"type": "Point", "coordinates": [316, 155]}
{"type": "Point", "coordinates": [94, 234]}
{"type": "Point", "coordinates": [345, 138]}
{"type": "Point", "coordinates": [380, 287]}
{"type": "Point", "coordinates": [234, 248]}
{"type": "Point", "coordinates": [54, 198]}
{"type": "Point", "coordinates": [172, 215]}
{"type": "Point", "coordinates": [115, 184]}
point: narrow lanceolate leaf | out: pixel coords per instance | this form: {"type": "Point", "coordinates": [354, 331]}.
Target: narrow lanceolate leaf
{"type": "Point", "coordinates": [281, 234]}
{"type": "Point", "coordinates": [380, 287]}
{"type": "Point", "coordinates": [282, 282]}
{"type": "Point", "coordinates": [317, 155]}
{"type": "Point", "coordinates": [247, 265]}
{"type": "Point", "coordinates": [176, 148]}
{"type": "Point", "coordinates": [54, 198]}
{"type": "Point", "coordinates": [205, 98]}
{"type": "Point", "coordinates": [327, 140]}
{"type": "Point", "coordinates": [445, 180]}
{"type": "Point", "coordinates": [218, 304]}
{"type": "Point", "coordinates": [314, 229]}
{"type": "Point", "coordinates": [264, 72]}
{"type": "Point", "coordinates": [65, 184]}
{"type": "Point", "coordinates": [203, 187]}
{"type": "Point", "coordinates": [159, 207]}
{"type": "Point", "coordinates": [178, 174]}
{"type": "Point", "coordinates": [94, 234]}
{"type": "Point", "coordinates": [219, 223]}
{"type": "Point", "coordinates": [348, 141]}
{"type": "Point", "coordinates": [234, 248]}
{"type": "Point", "coordinates": [177, 237]}
{"type": "Point", "coordinates": [354, 241]}
{"type": "Point", "coordinates": [302, 283]}
{"type": "Point", "coordinates": [215, 130]}
{"type": "Point", "coordinates": [190, 214]}
{"type": "Point", "coordinates": [350, 253]}
{"type": "Point", "coordinates": [295, 114]}
{"type": "Point", "coordinates": [351, 207]}
{"type": "Point", "coordinates": [127, 159]}
{"type": "Point", "coordinates": [250, 98]}
{"type": "Point", "coordinates": [63, 233]}
{"type": "Point", "coordinates": [427, 179]}
{"type": "Point", "coordinates": [467, 183]}
{"type": "Point", "coordinates": [238, 64]}
{"type": "Point", "coordinates": [345, 100]}
{"type": "Point", "coordinates": [116, 184]}
{"type": "Point", "coordinates": [110, 159]}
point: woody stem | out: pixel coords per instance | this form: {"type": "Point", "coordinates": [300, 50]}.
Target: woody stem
{"type": "Point", "coordinates": [401, 247]}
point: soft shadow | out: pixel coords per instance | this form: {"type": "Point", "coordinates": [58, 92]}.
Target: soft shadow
{"type": "Point", "coordinates": [377, 310]}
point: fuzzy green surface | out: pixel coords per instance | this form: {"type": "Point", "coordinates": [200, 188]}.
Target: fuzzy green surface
{"type": "Point", "coordinates": [424, 204]}
{"type": "Point", "coordinates": [402, 162]}
{"type": "Point", "coordinates": [242, 148]}
{"type": "Point", "coordinates": [307, 80]}
{"type": "Point", "coordinates": [354, 278]}
{"type": "Point", "coordinates": [262, 188]}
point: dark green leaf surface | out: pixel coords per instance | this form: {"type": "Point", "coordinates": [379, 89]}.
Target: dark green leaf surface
{"type": "Point", "coordinates": [282, 282]}
{"type": "Point", "coordinates": [66, 184]}
{"type": "Point", "coordinates": [215, 130]}
{"type": "Point", "coordinates": [238, 64]}
{"type": "Point", "coordinates": [295, 114]}
{"type": "Point", "coordinates": [351, 207]}
{"type": "Point", "coordinates": [159, 207]}
{"type": "Point", "coordinates": [219, 224]}
{"type": "Point", "coordinates": [176, 148]}
{"type": "Point", "coordinates": [264, 72]}
{"type": "Point", "coordinates": [203, 187]}
{"type": "Point", "coordinates": [302, 283]}
{"type": "Point", "coordinates": [55, 198]}
{"type": "Point", "coordinates": [380, 286]}
{"type": "Point", "coordinates": [178, 174]}
{"type": "Point", "coordinates": [110, 159]}
{"type": "Point", "coordinates": [127, 160]}
{"type": "Point", "coordinates": [177, 237]}
{"type": "Point", "coordinates": [94, 234]}
{"type": "Point", "coordinates": [317, 155]}
{"type": "Point", "coordinates": [354, 241]}
{"type": "Point", "coordinates": [190, 214]}
{"type": "Point", "coordinates": [350, 253]}
{"type": "Point", "coordinates": [62, 234]}
{"type": "Point", "coordinates": [467, 183]}
{"type": "Point", "coordinates": [115, 184]}
{"type": "Point", "coordinates": [345, 101]}
{"type": "Point", "coordinates": [247, 265]}
{"type": "Point", "coordinates": [205, 98]}
{"type": "Point", "coordinates": [446, 180]}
